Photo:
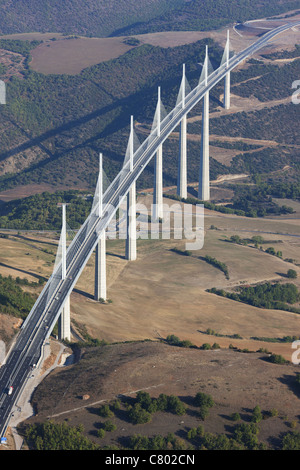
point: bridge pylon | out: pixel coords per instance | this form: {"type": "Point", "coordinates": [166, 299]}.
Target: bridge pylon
{"type": "Point", "coordinates": [182, 163]}
{"type": "Point", "coordinates": [227, 76]}
{"type": "Point", "coordinates": [100, 258]}
{"type": "Point", "coordinates": [204, 189]}
{"type": "Point", "coordinates": [64, 322]}
{"type": "Point", "coordinates": [130, 250]}
{"type": "Point", "coordinates": [158, 169]}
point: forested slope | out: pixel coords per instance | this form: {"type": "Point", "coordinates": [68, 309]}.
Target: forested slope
{"type": "Point", "coordinates": [211, 14]}
{"type": "Point", "coordinates": [102, 18]}
{"type": "Point", "coordinates": [54, 126]}
{"type": "Point", "coordinates": [92, 18]}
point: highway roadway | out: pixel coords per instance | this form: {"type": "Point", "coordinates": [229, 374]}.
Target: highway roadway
{"type": "Point", "coordinates": [28, 346]}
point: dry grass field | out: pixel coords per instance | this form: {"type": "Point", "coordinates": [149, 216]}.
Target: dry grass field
{"type": "Point", "coordinates": [73, 55]}
{"type": "Point", "coordinates": [164, 293]}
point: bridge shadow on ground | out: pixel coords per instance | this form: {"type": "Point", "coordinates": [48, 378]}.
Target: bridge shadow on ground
{"type": "Point", "coordinates": [37, 276]}
{"type": "Point", "coordinates": [108, 253]}
{"type": "Point", "coordinates": [40, 242]}
{"type": "Point", "coordinates": [132, 104]}
{"type": "Point", "coordinates": [83, 293]}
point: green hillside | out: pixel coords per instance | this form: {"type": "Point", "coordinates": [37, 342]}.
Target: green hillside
{"type": "Point", "coordinates": [57, 124]}
{"type": "Point", "coordinates": [92, 18]}
{"type": "Point", "coordinates": [211, 14]}
{"type": "Point", "coordinates": [100, 18]}
{"type": "Point", "coordinates": [67, 120]}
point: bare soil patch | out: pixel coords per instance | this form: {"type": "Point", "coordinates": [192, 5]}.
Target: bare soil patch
{"type": "Point", "coordinates": [73, 55]}
{"type": "Point", "coordinates": [14, 64]}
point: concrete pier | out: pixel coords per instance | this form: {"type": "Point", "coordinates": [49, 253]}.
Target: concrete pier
{"type": "Point", "coordinates": [204, 186]}
{"type": "Point", "coordinates": [182, 161]}
{"type": "Point", "coordinates": [100, 257]}
{"type": "Point", "coordinates": [182, 166]}
{"type": "Point", "coordinates": [100, 269]}
{"type": "Point", "coordinates": [158, 186]}
{"type": "Point", "coordinates": [227, 76]}
{"type": "Point", "coordinates": [130, 252]}
{"type": "Point", "coordinates": [64, 322]}
{"type": "Point", "coordinates": [158, 170]}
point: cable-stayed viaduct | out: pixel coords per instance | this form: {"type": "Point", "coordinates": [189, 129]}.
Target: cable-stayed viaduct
{"type": "Point", "coordinates": [53, 304]}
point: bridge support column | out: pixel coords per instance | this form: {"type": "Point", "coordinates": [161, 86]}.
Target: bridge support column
{"type": "Point", "coordinates": [130, 253]}
{"type": "Point", "coordinates": [64, 323]}
{"type": "Point", "coordinates": [158, 186]}
{"type": "Point", "coordinates": [204, 190]}
{"type": "Point", "coordinates": [158, 170]}
{"type": "Point", "coordinates": [100, 258]}
{"type": "Point", "coordinates": [182, 165]}
{"type": "Point", "coordinates": [227, 91]}
{"type": "Point", "coordinates": [130, 250]}
{"type": "Point", "coordinates": [227, 77]}
{"type": "Point", "coordinates": [100, 269]}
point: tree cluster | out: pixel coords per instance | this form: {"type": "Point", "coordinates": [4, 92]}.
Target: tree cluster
{"type": "Point", "coordinates": [272, 296]}
{"type": "Point", "coordinates": [13, 300]}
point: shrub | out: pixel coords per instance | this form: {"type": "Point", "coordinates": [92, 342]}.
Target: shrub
{"type": "Point", "coordinates": [138, 415]}
{"type": "Point", "coordinates": [274, 412]}
{"type": "Point", "coordinates": [162, 402]}
{"type": "Point", "coordinates": [101, 433]}
{"type": "Point", "coordinates": [235, 417]}
{"type": "Point", "coordinates": [109, 426]}
{"type": "Point", "coordinates": [105, 411]}
{"type": "Point", "coordinates": [175, 341]}
{"type": "Point", "coordinates": [203, 399]}
{"type": "Point", "coordinates": [246, 434]}
{"type": "Point", "coordinates": [291, 441]}
{"type": "Point", "coordinates": [116, 405]}
{"type": "Point", "coordinates": [257, 415]}
{"type": "Point", "coordinates": [203, 412]}
{"type": "Point", "coordinates": [175, 405]}
{"type": "Point", "coordinates": [144, 399]}
{"type": "Point", "coordinates": [277, 359]}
